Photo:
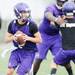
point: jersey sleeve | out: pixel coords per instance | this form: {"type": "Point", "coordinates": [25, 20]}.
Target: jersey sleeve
{"type": "Point", "coordinates": [33, 28]}
{"type": "Point", "coordinates": [49, 9]}
{"type": "Point", "coordinates": [10, 30]}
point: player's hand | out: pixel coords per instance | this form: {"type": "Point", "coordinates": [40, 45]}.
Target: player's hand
{"type": "Point", "coordinates": [14, 38]}
{"type": "Point", "coordinates": [17, 34]}
{"type": "Point", "coordinates": [26, 37]}
{"type": "Point", "coordinates": [59, 21]}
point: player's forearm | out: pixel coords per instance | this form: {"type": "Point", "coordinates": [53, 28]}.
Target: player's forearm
{"type": "Point", "coordinates": [9, 39]}
{"type": "Point", "coordinates": [34, 39]}
{"type": "Point", "coordinates": [58, 20]}
{"type": "Point", "coordinates": [50, 16]}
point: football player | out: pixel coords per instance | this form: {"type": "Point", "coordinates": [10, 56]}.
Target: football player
{"type": "Point", "coordinates": [51, 39]}
{"type": "Point", "coordinates": [67, 52]}
{"type": "Point", "coordinates": [0, 22]}
{"type": "Point", "coordinates": [22, 57]}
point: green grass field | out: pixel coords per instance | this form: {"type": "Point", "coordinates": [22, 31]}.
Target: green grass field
{"type": "Point", "coordinates": [44, 69]}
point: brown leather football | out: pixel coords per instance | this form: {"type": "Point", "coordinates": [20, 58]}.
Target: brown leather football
{"type": "Point", "coordinates": [20, 38]}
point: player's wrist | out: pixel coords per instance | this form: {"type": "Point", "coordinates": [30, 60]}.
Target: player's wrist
{"type": "Point", "coordinates": [14, 38]}
{"type": "Point", "coordinates": [56, 19]}
{"type": "Point", "coordinates": [27, 38]}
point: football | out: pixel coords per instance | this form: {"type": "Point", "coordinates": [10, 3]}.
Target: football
{"type": "Point", "coordinates": [20, 38]}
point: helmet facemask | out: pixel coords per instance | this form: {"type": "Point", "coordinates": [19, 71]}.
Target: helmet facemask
{"type": "Point", "coordinates": [24, 15]}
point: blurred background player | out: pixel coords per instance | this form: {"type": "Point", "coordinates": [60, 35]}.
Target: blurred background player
{"type": "Point", "coordinates": [51, 39]}
{"type": "Point", "coordinates": [0, 21]}
{"type": "Point", "coordinates": [23, 56]}
{"type": "Point", "coordinates": [67, 52]}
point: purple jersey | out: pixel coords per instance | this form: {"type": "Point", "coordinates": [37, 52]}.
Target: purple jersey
{"type": "Point", "coordinates": [49, 42]}
{"type": "Point", "coordinates": [46, 26]}
{"type": "Point", "coordinates": [28, 28]}
{"type": "Point", "coordinates": [23, 57]}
